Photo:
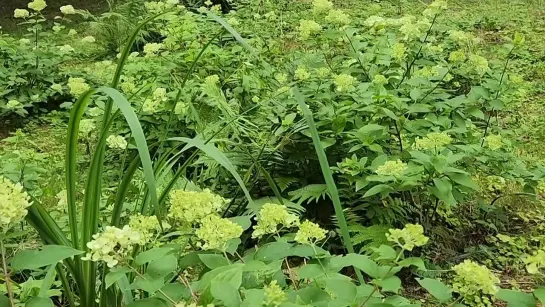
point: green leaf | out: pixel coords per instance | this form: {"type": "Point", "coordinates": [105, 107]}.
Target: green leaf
{"type": "Point", "coordinates": [540, 294]}
{"type": "Point", "coordinates": [244, 221]}
{"type": "Point", "coordinates": [213, 261]}
{"type": "Point", "coordinates": [311, 271]}
{"type": "Point", "coordinates": [48, 280]}
{"type": "Point", "coordinates": [379, 188]}
{"type": "Point", "coordinates": [443, 190]}
{"type": "Point", "coordinates": [114, 276]}
{"type": "Point", "coordinates": [152, 254]}
{"type": "Point", "coordinates": [516, 298]}
{"type": "Point", "coordinates": [344, 289]}
{"type": "Point", "coordinates": [385, 252]}
{"type": "Point", "coordinates": [437, 289]}
{"type": "Point", "coordinates": [226, 292]}
{"type": "Point", "coordinates": [150, 302]}
{"type": "Point", "coordinates": [50, 254]}
{"type": "Point", "coordinates": [413, 261]}
{"type": "Point", "coordinates": [415, 94]}
{"type": "Point", "coordinates": [389, 284]}
{"type": "Point", "coordinates": [232, 31]}
{"type": "Point", "coordinates": [463, 179]}
{"type": "Point", "coordinates": [39, 301]}
{"type": "Point", "coordinates": [358, 261]}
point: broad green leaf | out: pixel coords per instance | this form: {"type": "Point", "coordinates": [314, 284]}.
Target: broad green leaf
{"type": "Point", "coordinates": [253, 297]}
{"type": "Point", "coordinates": [311, 271]}
{"type": "Point", "coordinates": [116, 275]}
{"type": "Point", "coordinates": [150, 302]}
{"type": "Point", "coordinates": [50, 254]}
{"type": "Point", "coordinates": [413, 261]}
{"type": "Point", "coordinates": [48, 280]}
{"type": "Point", "coordinates": [437, 289]}
{"type": "Point", "coordinates": [389, 284]}
{"type": "Point", "coordinates": [226, 292]}
{"type": "Point", "coordinates": [385, 252]}
{"type": "Point", "coordinates": [152, 254]}
{"type": "Point", "coordinates": [464, 180]}
{"type": "Point", "coordinates": [361, 262]}
{"type": "Point", "coordinates": [244, 221]}
{"type": "Point", "coordinates": [379, 188]}
{"type": "Point", "coordinates": [344, 289]}
{"type": "Point", "coordinates": [39, 301]}
{"type": "Point", "coordinates": [213, 261]}
{"type": "Point", "coordinates": [516, 298]}
{"type": "Point", "coordinates": [540, 294]}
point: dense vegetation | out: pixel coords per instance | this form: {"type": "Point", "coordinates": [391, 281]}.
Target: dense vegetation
{"type": "Point", "coordinates": [273, 153]}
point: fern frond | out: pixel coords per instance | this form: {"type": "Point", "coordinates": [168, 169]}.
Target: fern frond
{"type": "Point", "coordinates": [311, 192]}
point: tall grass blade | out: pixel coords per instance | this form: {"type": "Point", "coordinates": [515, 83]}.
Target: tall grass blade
{"type": "Point", "coordinates": [217, 155]}
{"type": "Point", "coordinates": [328, 176]}
{"type": "Point", "coordinates": [233, 32]}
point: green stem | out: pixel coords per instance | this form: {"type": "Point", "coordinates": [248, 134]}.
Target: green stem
{"type": "Point", "coordinates": [6, 273]}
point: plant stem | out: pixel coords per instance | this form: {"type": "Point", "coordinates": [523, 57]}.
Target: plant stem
{"type": "Point", "coordinates": [6, 273]}
{"type": "Point", "coordinates": [186, 283]}
{"type": "Point", "coordinates": [376, 287]}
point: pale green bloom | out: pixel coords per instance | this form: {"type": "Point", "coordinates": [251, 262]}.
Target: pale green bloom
{"type": "Point", "coordinates": [321, 6]}
{"type": "Point", "coordinates": [56, 87]}
{"type": "Point", "coordinates": [494, 142]}
{"type": "Point", "coordinates": [270, 217]}
{"type": "Point", "coordinates": [150, 106]}
{"type": "Point", "coordinates": [274, 296]}
{"type": "Point", "coordinates": [344, 83]}
{"type": "Point", "coordinates": [426, 72]}
{"type": "Point", "coordinates": [77, 86]}
{"type": "Point", "coordinates": [308, 28]}
{"type": "Point", "coordinates": [191, 206]}
{"type": "Point", "coordinates": [233, 21]}
{"type": "Point", "coordinates": [301, 73]}
{"type": "Point", "coordinates": [399, 51]}
{"type": "Point", "coordinates": [72, 32]}
{"type": "Point", "coordinates": [457, 56]}
{"type": "Point", "coordinates": [474, 282]}
{"type": "Point", "coordinates": [112, 245]}
{"type": "Point", "coordinates": [407, 238]}
{"type": "Point", "coordinates": [337, 17]}
{"type": "Point", "coordinates": [14, 202]}
{"type": "Point", "coordinates": [151, 49]}
{"type": "Point", "coordinates": [14, 104]}
{"type": "Point", "coordinates": [436, 7]}
{"type": "Point", "coordinates": [322, 72]}
{"type": "Point", "coordinates": [66, 48]}
{"type": "Point", "coordinates": [535, 262]}
{"type": "Point", "coordinates": [516, 79]}
{"type": "Point", "coordinates": [88, 39]}
{"type": "Point", "coordinates": [21, 13]}
{"type": "Point", "coordinates": [160, 94]}
{"type": "Point", "coordinates": [518, 39]}
{"type": "Point", "coordinates": [392, 168]}
{"type": "Point", "coordinates": [216, 232]}
{"type": "Point", "coordinates": [68, 10]}
{"type": "Point", "coordinates": [128, 86]}
{"type": "Point", "coordinates": [309, 233]}
{"type": "Point", "coordinates": [212, 79]}
{"type": "Point", "coordinates": [433, 140]}
{"type": "Point", "coordinates": [375, 22]}
{"type": "Point", "coordinates": [281, 78]}
{"type": "Point", "coordinates": [410, 30]}
{"type": "Point", "coordinates": [86, 126]}
{"type": "Point", "coordinates": [540, 188]}
{"type": "Point", "coordinates": [380, 80]}
{"type": "Point", "coordinates": [62, 200]}
{"type": "Point", "coordinates": [24, 41]}
{"type": "Point", "coordinates": [57, 28]}
{"type": "Point", "coordinates": [478, 63]}
{"type": "Point", "coordinates": [116, 142]}
{"type": "Point", "coordinates": [37, 5]}
{"type": "Point", "coordinates": [147, 226]}
{"type": "Point", "coordinates": [460, 37]}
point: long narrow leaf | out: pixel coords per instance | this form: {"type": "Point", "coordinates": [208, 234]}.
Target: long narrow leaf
{"type": "Point", "coordinates": [328, 175]}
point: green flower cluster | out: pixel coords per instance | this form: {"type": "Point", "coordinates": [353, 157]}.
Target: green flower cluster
{"type": "Point", "coordinates": [321, 6]}
{"type": "Point", "coordinates": [475, 283]}
{"type": "Point", "coordinates": [478, 63]}
{"type": "Point", "coordinates": [433, 141]}
{"type": "Point", "coordinates": [307, 28]}
{"type": "Point", "coordinates": [116, 142]}
{"type": "Point", "coordinates": [351, 166]}
{"type": "Point", "coordinates": [407, 238]}
{"type": "Point", "coordinates": [154, 104]}
{"type": "Point", "coordinates": [37, 5]}
{"type": "Point", "coordinates": [457, 56]}
{"type": "Point", "coordinates": [151, 49]}
{"type": "Point", "coordinates": [392, 168]}
{"type": "Point", "coordinates": [147, 226]}
{"type": "Point", "coordinates": [494, 142]}
{"type": "Point", "coordinates": [535, 262]}
{"type": "Point", "coordinates": [309, 233]}
{"type": "Point", "coordinates": [86, 126]}
{"type": "Point", "coordinates": [495, 184]}
{"type": "Point", "coordinates": [380, 80]}
{"type": "Point", "coordinates": [399, 51]}
{"type": "Point", "coordinates": [270, 217]}
{"type": "Point", "coordinates": [191, 207]}
{"type": "Point", "coordinates": [337, 17]}
{"type": "Point", "coordinates": [274, 295]}
{"type": "Point", "coordinates": [344, 83]}
{"type": "Point", "coordinates": [77, 86]}
{"type": "Point", "coordinates": [113, 245]}
{"type": "Point", "coordinates": [301, 73]}
{"type": "Point", "coordinates": [13, 203]}
{"type": "Point", "coordinates": [215, 232]}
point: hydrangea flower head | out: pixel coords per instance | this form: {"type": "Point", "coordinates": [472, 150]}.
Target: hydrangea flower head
{"type": "Point", "coordinates": [86, 126]}
{"type": "Point", "coordinates": [478, 63]}
{"type": "Point", "coordinates": [301, 73]}
{"type": "Point", "coordinates": [399, 51]}
{"type": "Point", "coordinates": [307, 28]}
{"type": "Point", "coordinates": [344, 83]}
{"type": "Point", "coordinates": [274, 295]}
{"type": "Point", "coordinates": [410, 31]}
{"type": "Point", "coordinates": [77, 86]}
{"type": "Point", "coordinates": [495, 184]}
{"type": "Point", "coordinates": [392, 168]}
{"type": "Point", "coordinates": [66, 48]}
{"type": "Point", "coordinates": [337, 17]}
{"type": "Point", "coordinates": [457, 56]}
{"type": "Point", "coordinates": [321, 6]}
{"type": "Point", "coordinates": [88, 39]}
{"type": "Point", "coordinates": [21, 13]}
{"type": "Point", "coordinates": [433, 141]}
{"type": "Point", "coordinates": [113, 245]}
{"type": "Point", "coordinates": [309, 233]}
{"type": "Point", "coordinates": [407, 238]}
{"type": "Point", "coordinates": [376, 22]}
{"type": "Point", "coordinates": [215, 232]}
{"type": "Point", "coordinates": [56, 87]}
{"type": "Point", "coordinates": [14, 202]}
{"type": "Point", "coordinates": [147, 226]}
{"type": "Point", "coordinates": [72, 32]}
{"type": "Point", "coordinates": [191, 206]}
{"type": "Point", "coordinates": [380, 80]}
{"type": "Point", "coordinates": [474, 281]}
{"type": "Point", "coordinates": [270, 217]}
{"type": "Point", "coordinates": [37, 5]}
{"type": "Point", "coordinates": [535, 262]}
{"type": "Point", "coordinates": [68, 10]}
{"type": "Point", "coordinates": [212, 79]}
{"type": "Point", "coordinates": [13, 104]}
{"type": "Point", "coordinates": [461, 38]}
{"type": "Point", "coordinates": [494, 142]}
{"type": "Point", "coordinates": [151, 49]}
{"type": "Point", "coordinates": [436, 7]}
{"type": "Point", "coordinates": [116, 142]}
{"type": "Point", "coordinates": [281, 78]}
{"type": "Point", "coordinates": [322, 72]}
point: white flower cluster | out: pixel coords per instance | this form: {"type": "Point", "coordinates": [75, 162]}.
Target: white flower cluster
{"type": "Point", "coordinates": [112, 245]}
{"type": "Point", "coordinates": [116, 142]}
{"type": "Point", "coordinates": [13, 203]}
